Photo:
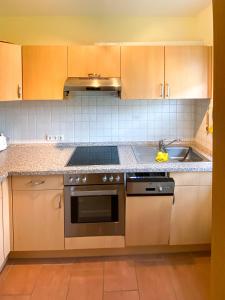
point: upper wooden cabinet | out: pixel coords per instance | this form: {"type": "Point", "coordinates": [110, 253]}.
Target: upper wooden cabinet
{"type": "Point", "coordinates": [101, 60]}
{"type": "Point", "coordinates": [142, 72]}
{"type": "Point", "coordinates": [10, 72]}
{"type": "Point", "coordinates": [188, 72]}
{"type": "Point", "coordinates": [44, 72]}
{"type": "Point", "coordinates": [182, 72]}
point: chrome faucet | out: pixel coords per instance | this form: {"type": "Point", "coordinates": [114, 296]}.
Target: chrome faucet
{"type": "Point", "coordinates": [163, 145]}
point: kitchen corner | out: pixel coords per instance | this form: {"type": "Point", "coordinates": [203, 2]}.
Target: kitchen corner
{"type": "Point", "coordinates": [106, 149]}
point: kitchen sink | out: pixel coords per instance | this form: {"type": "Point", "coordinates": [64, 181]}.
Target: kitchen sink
{"type": "Point", "coordinates": [146, 154]}
{"type": "Point", "coordinates": [184, 154]}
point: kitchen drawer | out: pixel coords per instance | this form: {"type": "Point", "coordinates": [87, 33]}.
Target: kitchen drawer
{"type": "Point", "coordinates": [37, 183]}
{"type": "Point", "coordinates": [192, 178]}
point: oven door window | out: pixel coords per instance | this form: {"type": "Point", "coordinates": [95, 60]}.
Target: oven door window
{"type": "Point", "coordinates": [94, 209]}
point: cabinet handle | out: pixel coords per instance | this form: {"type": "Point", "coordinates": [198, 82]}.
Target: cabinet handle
{"type": "Point", "coordinates": [94, 75]}
{"type": "Point", "coordinates": [19, 91]}
{"type": "Point", "coordinates": [35, 183]}
{"type": "Point", "coordinates": [162, 90]}
{"type": "Point", "coordinates": [60, 202]}
{"type": "Point", "coordinates": [167, 90]}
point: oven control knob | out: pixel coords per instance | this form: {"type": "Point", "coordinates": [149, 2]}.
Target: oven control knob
{"type": "Point", "coordinates": [71, 179]}
{"type": "Point", "coordinates": [160, 189]}
{"type": "Point", "coordinates": [77, 179]}
{"type": "Point", "coordinates": [104, 178]}
{"type": "Point", "coordinates": [111, 178]}
{"type": "Point", "coordinates": [84, 179]}
{"type": "Point", "coordinates": [117, 178]}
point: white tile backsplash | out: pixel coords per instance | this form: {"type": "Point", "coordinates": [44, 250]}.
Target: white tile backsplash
{"type": "Point", "coordinates": [99, 117]}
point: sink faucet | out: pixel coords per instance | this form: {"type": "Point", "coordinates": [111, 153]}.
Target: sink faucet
{"type": "Point", "coordinates": [163, 145]}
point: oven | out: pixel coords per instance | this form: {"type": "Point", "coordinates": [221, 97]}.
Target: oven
{"type": "Point", "coordinates": [94, 205]}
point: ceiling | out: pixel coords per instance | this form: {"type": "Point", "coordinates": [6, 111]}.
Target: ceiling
{"type": "Point", "coordinates": [102, 7]}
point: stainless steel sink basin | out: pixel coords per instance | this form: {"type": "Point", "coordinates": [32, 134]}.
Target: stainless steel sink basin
{"type": "Point", "coordinates": [184, 154]}
{"type": "Point", "coordinates": [146, 154]}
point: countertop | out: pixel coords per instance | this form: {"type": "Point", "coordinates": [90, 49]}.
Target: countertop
{"type": "Point", "coordinates": [50, 159]}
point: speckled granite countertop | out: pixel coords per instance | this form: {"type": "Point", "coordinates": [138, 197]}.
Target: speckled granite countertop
{"type": "Point", "coordinates": [46, 159]}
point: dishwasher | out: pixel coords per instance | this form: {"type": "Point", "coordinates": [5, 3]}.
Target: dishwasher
{"type": "Point", "coordinates": [149, 201]}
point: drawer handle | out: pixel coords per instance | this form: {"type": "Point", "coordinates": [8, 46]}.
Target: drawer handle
{"type": "Point", "coordinates": [35, 183]}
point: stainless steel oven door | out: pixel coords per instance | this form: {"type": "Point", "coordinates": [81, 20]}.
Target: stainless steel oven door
{"type": "Point", "coordinates": [95, 210]}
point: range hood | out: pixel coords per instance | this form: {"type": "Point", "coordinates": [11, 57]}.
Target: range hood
{"type": "Point", "coordinates": [92, 83]}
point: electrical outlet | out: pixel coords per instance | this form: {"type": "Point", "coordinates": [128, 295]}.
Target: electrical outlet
{"type": "Point", "coordinates": [54, 138]}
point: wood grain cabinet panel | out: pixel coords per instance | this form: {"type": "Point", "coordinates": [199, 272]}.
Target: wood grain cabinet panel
{"type": "Point", "coordinates": [142, 72]}
{"type": "Point", "coordinates": [102, 60]}
{"type": "Point", "coordinates": [2, 257]}
{"type": "Point", "coordinates": [188, 73]}
{"type": "Point", "coordinates": [10, 72]}
{"type": "Point", "coordinates": [38, 218]}
{"type": "Point", "coordinates": [6, 217]}
{"type": "Point", "coordinates": [44, 72]}
{"type": "Point", "coordinates": [33, 183]}
{"type": "Point", "coordinates": [191, 215]}
{"type": "Point", "coordinates": [148, 220]}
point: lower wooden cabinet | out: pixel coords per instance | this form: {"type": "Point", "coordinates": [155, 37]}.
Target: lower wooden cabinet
{"type": "Point", "coordinates": [191, 215]}
{"type": "Point", "coordinates": [148, 220]}
{"type": "Point", "coordinates": [5, 208]}
{"type": "Point", "coordinates": [192, 210]}
{"type": "Point", "coordinates": [2, 256]}
{"type": "Point", "coordinates": [38, 218]}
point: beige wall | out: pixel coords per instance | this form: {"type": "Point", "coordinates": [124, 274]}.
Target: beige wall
{"type": "Point", "coordinates": [67, 29]}
{"type": "Point", "coordinates": [205, 25]}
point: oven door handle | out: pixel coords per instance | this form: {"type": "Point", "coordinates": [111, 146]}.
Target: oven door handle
{"type": "Point", "coordinates": [94, 193]}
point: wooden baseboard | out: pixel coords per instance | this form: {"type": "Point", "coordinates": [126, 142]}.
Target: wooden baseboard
{"type": "Point", "coordinates": [110, 252]}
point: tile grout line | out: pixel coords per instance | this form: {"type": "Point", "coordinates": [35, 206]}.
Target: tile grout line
{"type": "Point", "coordinates": [103, 279]}
{"type": "Point", "coordinates": [69, 282]}
{"type": "Point", "coordinates": [135, 270]}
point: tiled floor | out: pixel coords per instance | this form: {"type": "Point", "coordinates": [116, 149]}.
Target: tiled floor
{"type": "Point", "coordinates": [170, 277]}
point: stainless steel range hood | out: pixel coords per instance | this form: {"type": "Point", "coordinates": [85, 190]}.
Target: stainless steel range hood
{"type": "Point", "coordinates": [92, 83]}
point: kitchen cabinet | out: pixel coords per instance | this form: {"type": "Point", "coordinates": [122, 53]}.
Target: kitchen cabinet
{"type": "Point", "coordinates": [148, 220]}
{"type": "Point", "coordinates": [5, 215]}
{"type": "Point", "coordinates": [176, 72]}
{"type": "Point", "coordinates": [44, 72]}
{"type": "Point", "coordinates": [10, 72]}
{"type": "Point", "coordinates": [2, 256]}
{"type": "Point", "coordinates": [38, 214]}
{"type": "Point", "coordinates": [142, 72]}
{"type": "Point", "coordinates": [192, 210]}
{"type": "Point", "coordinates": [188, 72]}
{"type": "Point", "coordinates": [100, 60]}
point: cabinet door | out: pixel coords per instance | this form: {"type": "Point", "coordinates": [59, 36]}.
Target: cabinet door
{"type": "Point", "coordinates": [142, 72]}
{"type": "Point", "coordinates": [187, 72]}
{"type": "Point", "coordinates": [6, 217]}
{"type": "Point", "coordinates": [10, 72]}
{"type": "Point", "coordinates": [2, 257]}
{"type": "Point", "coordinates": [148, 220]}
{"type": "Point", "coordinates": [44, 72]}
{"type": "Point", "coordinates": [191, 215]}
{"type": "Point", "coordinates": [38, 218]}
{"type": "Point", "coordinates": [101, 60]}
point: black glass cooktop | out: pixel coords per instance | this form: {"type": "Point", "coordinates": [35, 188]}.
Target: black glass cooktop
{"type": "Point", "coordinates": [94, 155]}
